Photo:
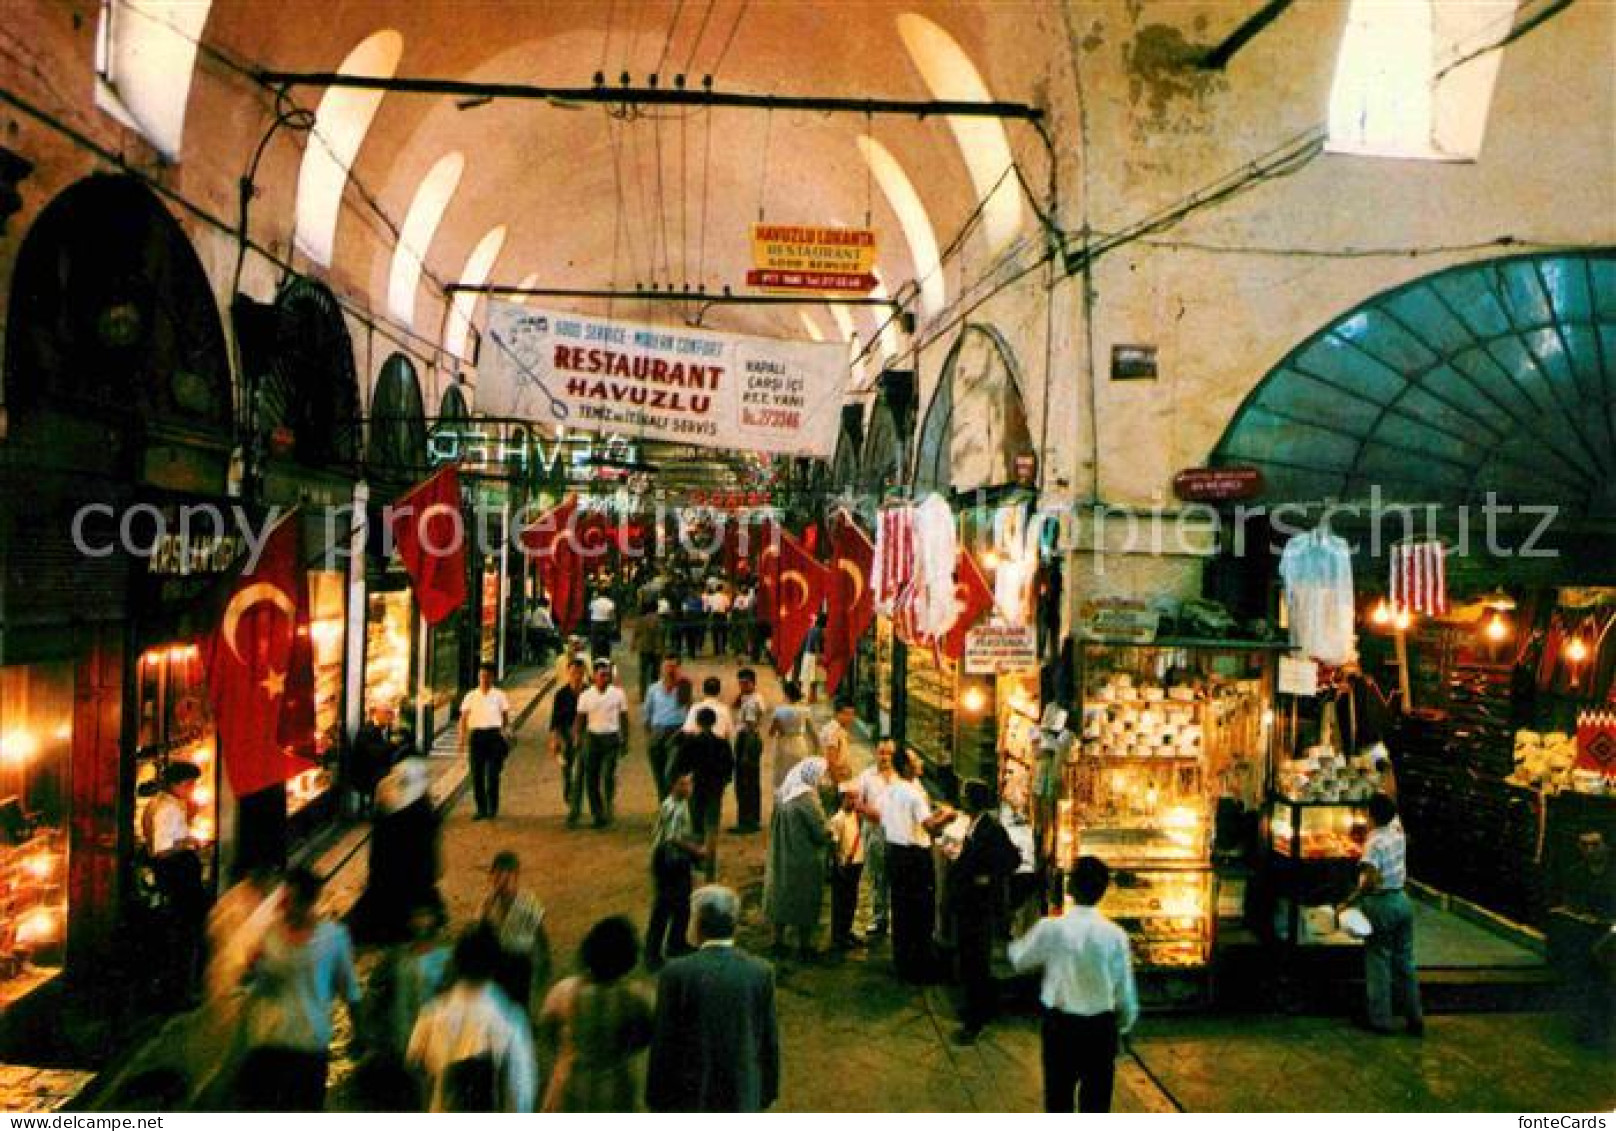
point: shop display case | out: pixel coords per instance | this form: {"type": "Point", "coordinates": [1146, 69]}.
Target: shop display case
{"type": "Point", "coordinates": [36, 741]}
{"type": "Point", "coordinates": [389, 625]}
{"type": "Point", "coordinates": [175, 725]}
{"type": "Point", "coordinates": [1168, 915]}
{"type": "Point", "coordinates": [327, 635]}
{"type": "Point", "coordinates": [1313, 849]}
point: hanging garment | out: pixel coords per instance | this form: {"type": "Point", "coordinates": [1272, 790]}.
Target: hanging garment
{"type": "Point", "coordinates": [1420, 577]}
{"type": "Point", "coordinates": [936, 547]}
{"type": "Point", "coordinates": [894, 555]}
{"type": "Point", "coordinates": [1017, 535]}
{"type": "Point", "coordinates": [1317, 570]}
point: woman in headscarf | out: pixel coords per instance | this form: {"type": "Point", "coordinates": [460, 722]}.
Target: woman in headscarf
{"type": "Point", "coordinates": [403, 857]}
{"type": "Point", "coordinates": [790, 730]}
{"type": "Point", "coordinates": [799, 836]}
{"type": "Point", "coordinates": [597, 1023]}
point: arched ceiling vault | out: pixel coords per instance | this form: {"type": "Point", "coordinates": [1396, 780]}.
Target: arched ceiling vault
{"type": "Point", "coordinates": [554, 175]}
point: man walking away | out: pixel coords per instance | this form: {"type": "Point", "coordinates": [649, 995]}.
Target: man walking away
{"type": "Point", "coordinates": [1088, 993]}
{"type": "Point", "coordinates": [710, 761]}
{"type": "Point", "coordinates": [716, 1043]}
{"type": "Point", "coordinates": [485, 715]}
{"type": "Point", "coordinates": [749, 711]}
{"type": "Point", "coordinates": [645, 632]}
{"type": "Point", "coordinates": [674, 850]}
{"type": "Point", "coordinates": [1390, 977]}
{"type": "Point", "coordinates": [976, 887]}
{"type": "Point", "coordinates": [602, 726]}
{"type": "Point", "coordinates": [664, 715]}
{"type": "Point", "coordinates": [723, 725]}
{"type": "Point", "coordinates": [602, 625]}
{"type": "Point", "coordinates": [563, 744]}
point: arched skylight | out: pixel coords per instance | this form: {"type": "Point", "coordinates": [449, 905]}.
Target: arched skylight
{"type": "Point", "coordinates": [341, 122]}
{"type": "Point", "coordinates": [478, 267]}
{"type": "Point", "coordinates": [917, 229]}
{"type": "Point", "coordinates": [810, 327]}
{"type": "Point", "coordinates": [527, 282]}
{"type": "Point", "coordinates": [1414, 78]}
{"type": "Point", "coordinates": [950, 74]}
{"type": "Point", "coordinates": [420, 225]}
{"type": "Point", "coordinates": [145, 54]}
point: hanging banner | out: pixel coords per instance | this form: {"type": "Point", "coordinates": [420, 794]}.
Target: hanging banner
{"type": "Point", "coordinates": [689, 386]}
{"type": "Point", "coordinates": [995, 647]}
{"type": "Point", "coordinates": [802, 257]}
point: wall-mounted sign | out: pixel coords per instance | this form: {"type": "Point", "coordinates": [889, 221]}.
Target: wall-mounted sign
{"type": "Point", "coordinates": [1218, 484]}
{"type": "Point", "coordinates": [1116, 619]}
{"type": "Point", "coordinates": [803, 257]}
{"type": "Point", "coordinates": [994, 648]}
{"type": "Point", "coordinates": [1133, 363]}
{"type": "Point", "coordinates": [689, 386]}
{"type": "Point", "coordinates": [1298, 675]}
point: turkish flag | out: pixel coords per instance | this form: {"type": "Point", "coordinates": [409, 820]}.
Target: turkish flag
{"type": "Point", "coordinates": [798, 594]}
{"type": "Point", "coordinates": [430, 533]}
{"type": "Point", "coordinates": [769, 537]}
{"type": "Point", "coordinates": [260, 672]}
{"type": "Point", "coordinates": [550, 539]}
{"type": "Point", "coordinates": [973, 599]}
{"type": "Point", "coordinates": [850, 602]}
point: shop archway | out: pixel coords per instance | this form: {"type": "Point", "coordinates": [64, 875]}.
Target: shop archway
{"type": "Point", "coordinates": [976, 423]}
{"type": "Point", "coordinates": [396, 454]}
{"type": "Point", "coordinates": [308, 388]}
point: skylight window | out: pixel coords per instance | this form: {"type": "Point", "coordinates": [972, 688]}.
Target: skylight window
{"type": "Point", "coordinates": [420, 225]}
{"type": "Point", "coordinates": [1415, 78]}
{"type": "Point", "coordinates": [341, 123]}
{"type": "Point", "coordinates": [479, 265]}
{"type": "Point", "coordinates": [890, 345]}
{"type": "Point", "coordinates": [145, 54]}
{"type": "Point", "coordinates": [951, 76]}
{"type": "Point", "coordinates": [810, 327]}
{"type": "Point", "coordinates": [528, 283]}
{"type": "Point", "coordinates": [843, 320]}
{"type": "Point", "coordinates": [917, 230]}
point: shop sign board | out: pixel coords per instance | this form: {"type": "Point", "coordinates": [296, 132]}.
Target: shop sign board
{"type": "Point", "coordinates": [1121, 621]}
{"type": "Point", "coordinates": [994, 648]}
{"type": "Point", "coordinates": [808, 257]}
{"type": "Point", "coordinates": [674, 383]}
{"type": "Point", "coordinates": [1218, 484]}
{"type": "Point", "coordinates": [1298, 675]}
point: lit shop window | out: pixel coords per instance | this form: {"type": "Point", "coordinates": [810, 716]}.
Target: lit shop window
{"type": "Point", "coordinates": [389, 620]}
{"type": "Point", "coordinates": [327, 634]}
{"type": "Point", "coordinates": [36, 740]}
{"type": "Point", "coordinates": [951, 76]}
{"type": "Point", "coordinates": [1415, 78]}
{"type": "Point", "coordinates": [340, 125]}
{"type": "Point", "coordinates": [432, 196]}
{"type": "Point", "coordinates": [145, 54]}
{"type": "Point", "coordinates": [479, 265]}
{"type": "Point", "coordinates": [176, 725]}
{"type": "Point", "coordinates": [917, 229]}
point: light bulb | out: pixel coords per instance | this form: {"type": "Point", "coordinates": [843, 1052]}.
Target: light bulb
{"type": "Point", "coordinates": [1576, 651]}
{"type": "Point", "coordinates": [1497, 628]}
{"type": "Point", "coordinates": [973, 699]}
{"type": "Point", "coordinates": [1381, 613]}
{"type": "Point", "coordinates": [990, 559]}
{"type": "Point", "coordinates": [1403, 620]}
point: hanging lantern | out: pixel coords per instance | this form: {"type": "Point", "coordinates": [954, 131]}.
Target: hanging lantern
{"type": "Point", "coordinates": [1496, 628]}
{"type": "Point", "coordinates": [1402, 620]}
{"type": "Point", "coordinates": [1576, 650]}
{"type": "Point", "coordinates": [1381, 614]}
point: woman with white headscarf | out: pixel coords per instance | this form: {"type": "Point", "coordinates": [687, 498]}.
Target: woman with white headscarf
{"type": "Point", "coordinates": [403, 856]}
{"type": "Point", "coordinates": [793, 885]}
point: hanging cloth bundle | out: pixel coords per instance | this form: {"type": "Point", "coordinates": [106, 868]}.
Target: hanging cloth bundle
{"type": "Point", "coordinates": [1419, 580]}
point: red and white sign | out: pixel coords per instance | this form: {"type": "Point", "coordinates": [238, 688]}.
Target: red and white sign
{"type": "Point", "coordinates": [674, 383]}
{"type": "Point", "coordinates": [837, 281]}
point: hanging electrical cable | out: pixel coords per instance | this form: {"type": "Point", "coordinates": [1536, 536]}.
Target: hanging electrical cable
{"type": "Point", "coordinates": [763, 176]}
{"type": "Point", "coordinates": [701, 30]}
{"type": "Point", "coordinates": [730, 40]}
{"type": "Point", "coordinates": [667, 42]}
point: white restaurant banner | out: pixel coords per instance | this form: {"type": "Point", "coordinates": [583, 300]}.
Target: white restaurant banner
{"type": "Point", "coordinates": [662, 382]}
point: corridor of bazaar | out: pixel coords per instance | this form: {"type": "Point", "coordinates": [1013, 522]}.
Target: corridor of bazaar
{"type": "Point", "coordinates": [1131, 483]}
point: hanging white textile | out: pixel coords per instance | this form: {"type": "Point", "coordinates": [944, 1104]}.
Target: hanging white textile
{"type": "Point", "coordinates": [1017, 534]}
{"type": "Point", "coordinates": [1317, 570]}
{"type": "Point", "coordinates": [936, 548]}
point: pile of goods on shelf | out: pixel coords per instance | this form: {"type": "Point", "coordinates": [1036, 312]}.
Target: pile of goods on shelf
{"type": "Point", "coordinates": [1324, 774]}
{"type": "Point", "coordinates": [1543, 760]}
{"type": "Point", "coordinates": [1147, 720]}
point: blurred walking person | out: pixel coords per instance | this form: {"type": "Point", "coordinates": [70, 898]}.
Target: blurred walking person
{"type": "Point", "coordinates": [597, 1023]}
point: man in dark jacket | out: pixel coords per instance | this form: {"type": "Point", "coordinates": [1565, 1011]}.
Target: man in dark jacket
{"type": "Point", "coordinates": [711, 760]}
{"type": "Point", "coordinates": [976, 885]}
{"type": "Point", "coordinates": [563, 744]}
{"type": "Point", "coordinates": [716, 1044]}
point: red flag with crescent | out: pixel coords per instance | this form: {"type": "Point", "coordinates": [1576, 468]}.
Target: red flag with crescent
{"type": "Point", "coordinates": [550, 540]}
{"type": "Point", "coordinates": [798, 594]}
{"type": "Point", "coordinates": [850, 602]}
{"type": "Point", "coordinates": [262, 700]}
{"type": "Point", "coordinates": [769, 536]}
{"type": "Point", "coordinates": [973, 599]}
{"type": "Point", "coordinates": [430, 533]}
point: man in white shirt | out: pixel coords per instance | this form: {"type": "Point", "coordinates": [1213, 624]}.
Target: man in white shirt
{"type": "Point", "coordinates": [473, 1047]}
{"type": "Point", "coordinates": [177, 868]}
{"type": "Point", "coordinates": [602, 725]}
{"type": "Point", "coordinates": [1088, 993]}
{"type": "Point", "coordinates": [908, 824]}
{"type": "Point", "coordinates": [718, 603]}
{"type": "Point", "coordinates": [872, 785]}
{"type": "Point", "coordinates": [724, 727]}
{"type": "Point", "coordinates": [485, 714]}
{"type": "Point", "coordinates": [1390, 975]}
{"type": "Point", "coordinates": [602, 625]}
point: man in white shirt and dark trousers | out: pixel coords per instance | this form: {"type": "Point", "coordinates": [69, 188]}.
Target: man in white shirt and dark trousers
{"type": "Point", "coordinates": [485, 714]}
{"type": "Point", "coordinates": [1390, 976]}
{"type": "Point", "coordinates": [908, 823]}
{"type": "Point", "coordinates": [1088, 993]}
{"type": "Point", "coordinates": [602, 725]}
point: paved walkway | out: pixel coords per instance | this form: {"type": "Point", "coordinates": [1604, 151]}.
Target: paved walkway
{"type": "Point", "coordinates": [855, 1039]}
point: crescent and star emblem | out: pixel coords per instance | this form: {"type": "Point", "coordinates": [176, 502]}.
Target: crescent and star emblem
{"type": "Point", "coordinates": [258, 593]}
{"type": "Point", "coordinates": [794, 577]}
{"type": "Point", "coordinates": [851, 568]}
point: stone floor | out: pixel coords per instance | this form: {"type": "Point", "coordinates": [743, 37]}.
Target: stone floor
{"type": "Point", "coordinates": [855, 1039]}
